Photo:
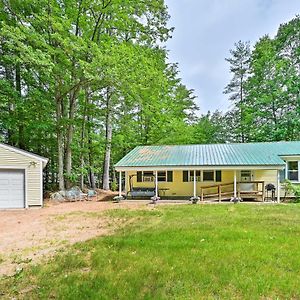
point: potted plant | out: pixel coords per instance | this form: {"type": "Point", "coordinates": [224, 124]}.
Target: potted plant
{"type": "Point", "coordinates": [194, 200]}
{"type": "Point", "coordinates": [155, 199]}
{"type": "Point", "coordinates": [235, 200]}
{"type": "Point", "coordinates": [118, 198]}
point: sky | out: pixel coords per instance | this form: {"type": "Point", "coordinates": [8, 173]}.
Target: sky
{"type": "Point", "coordinates": [205, 31]}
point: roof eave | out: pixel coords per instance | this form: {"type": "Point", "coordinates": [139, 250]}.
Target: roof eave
{"type": "Point", "coordinates": [204, 167]}
{"type": "Point", "coordinates": [44, 160]}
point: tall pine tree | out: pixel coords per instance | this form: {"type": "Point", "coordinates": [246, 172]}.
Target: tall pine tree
{"type": "Point", "coordinates": [239, 67]}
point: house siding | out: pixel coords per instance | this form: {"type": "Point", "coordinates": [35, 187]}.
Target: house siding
{"type": "Point", "coordinates": [270, 176]}
{"type": "Point", "coordinates": [33, 185]}
{"type": "Point", "coordinates": [178, 188]}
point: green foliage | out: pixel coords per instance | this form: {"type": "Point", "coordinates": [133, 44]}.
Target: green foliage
{"type": "Point", "coordinates": [270, 110]}
{"type": "Point", "coordinates": [292, 189]}
{"type": "Point", "coordinates": [114, 186]}
{"type": "Point", "coordinates": [211, 128]}
{"type": "Point", "coordinates": [72, 69]}
{"type": "Point", "coordinates": [81, 81]}
{"type": "Point", "coordinates": [239, 67]}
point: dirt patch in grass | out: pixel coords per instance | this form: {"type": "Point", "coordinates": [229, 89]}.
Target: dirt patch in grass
{"type": "Point", "coordinates": [29, 235]}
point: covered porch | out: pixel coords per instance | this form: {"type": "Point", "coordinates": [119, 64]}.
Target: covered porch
{"type": "Point", "coordinates": [208, 184]}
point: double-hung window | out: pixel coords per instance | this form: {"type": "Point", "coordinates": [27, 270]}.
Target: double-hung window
{"type": "Point", "coordinates": [205, 175]}
{"type": "Point", "coordinates": [165, 176]}
{"type": "Point", "coordinates": [145, 176]}
{"type": "Point", "coordinates": [293, 170]}
{"type": "Point", "coordinates": [198, 175]}
{"type": "Point", "coordinates": [148, 176]}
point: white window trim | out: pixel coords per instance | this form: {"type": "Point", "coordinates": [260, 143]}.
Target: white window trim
{"type": "Point", "coordinates": [152, 177]}
{"type": "Point", "coordinates": [191, 178]}
{"type": "Point", "coordinates": [287, 171]}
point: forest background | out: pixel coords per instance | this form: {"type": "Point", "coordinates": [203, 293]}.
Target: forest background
{"type": "Point", "coordinates": [82, 82]}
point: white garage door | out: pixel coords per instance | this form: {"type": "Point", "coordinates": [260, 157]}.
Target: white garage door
{"type": "Point", "coordinates": [12, 189]}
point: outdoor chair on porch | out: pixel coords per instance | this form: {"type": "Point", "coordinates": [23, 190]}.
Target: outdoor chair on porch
{"type": "Point", "coordinates": [139, 192]}
{"type": "Point", "coordinates": [142, 192]}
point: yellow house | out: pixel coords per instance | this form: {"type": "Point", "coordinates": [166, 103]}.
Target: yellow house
{"type": "Point", "coordinates": [210, 172]}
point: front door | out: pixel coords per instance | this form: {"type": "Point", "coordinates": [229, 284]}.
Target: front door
{"type": "Point", "coordinates": [246, 176]}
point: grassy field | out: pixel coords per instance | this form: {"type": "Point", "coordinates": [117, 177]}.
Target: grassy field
{"type": "Point", "coordinates": [178, 252]}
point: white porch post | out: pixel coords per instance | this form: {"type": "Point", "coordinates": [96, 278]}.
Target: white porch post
{"type": "Point", "coordinates": [126, 183]}
{"type": "Point", "coordinates": [120, 183]}
{"type": "Point", "coordinates": [156, 185]}
{"type": "Point", "coordinates": [195, 183]}
{"type": "Point", "coordinates": [278, 186]}
{"type": "Point", "coordinates": [234, 184]}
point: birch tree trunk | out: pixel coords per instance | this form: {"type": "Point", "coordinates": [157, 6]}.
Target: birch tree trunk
{"type": "Point", "coordinates": [108, 136]}
{"type": "Point", "coordinates": [69, 137]}
{"type": "Point", "coordinates": [60, 143]}
{"type": "Point", "coordinates": [21, 142]}
{"type": "Point", "coordinates": [91, 175]}
{"type": "Point", "coordinates": [11, 105]}
{"type": "Point", "coordinates": [91, 164]}
{"type": "Point", "coordinates": [81, 147]}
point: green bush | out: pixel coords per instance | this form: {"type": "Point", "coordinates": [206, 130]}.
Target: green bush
{"type": "Point", "coordinates": [293, 189]}
{"type": "Point", "coordinates": [113, 186]}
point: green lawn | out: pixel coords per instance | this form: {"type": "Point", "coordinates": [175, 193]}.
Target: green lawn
{"type": "Point", "coordinates": [178, 252]}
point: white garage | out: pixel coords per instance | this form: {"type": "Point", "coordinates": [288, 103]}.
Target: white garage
{"type": "Point", "coordinates": [12, 185]}
{"type": "Point", "coordinates": [21, 178]}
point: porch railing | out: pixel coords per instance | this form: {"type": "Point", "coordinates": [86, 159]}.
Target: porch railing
{"type": "Point", "coordinates": [249, 189]}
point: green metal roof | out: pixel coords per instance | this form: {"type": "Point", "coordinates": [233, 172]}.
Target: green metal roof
{"type": "Point", "coordinates": [248, 154]}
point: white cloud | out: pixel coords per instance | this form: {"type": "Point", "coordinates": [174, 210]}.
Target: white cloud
{"type": "Point", "coordinates": [205, 30]}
